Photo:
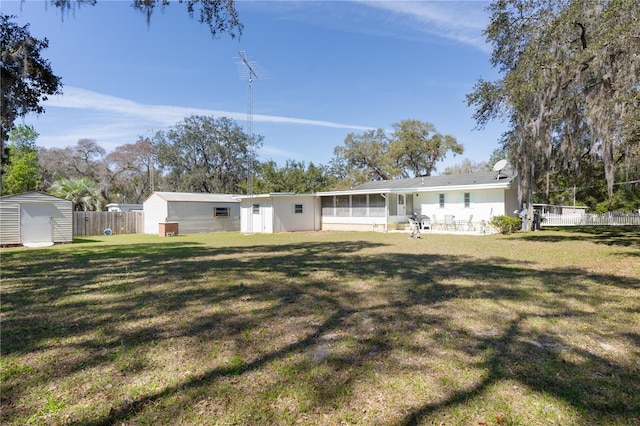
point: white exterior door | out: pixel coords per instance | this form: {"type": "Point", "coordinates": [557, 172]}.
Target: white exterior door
{"type": "Point", "coordinates": [256, 218]}
{"type": "Point", "coordinates": [402, 208]}
{"type": "Point", "coordinates": [35, 224]}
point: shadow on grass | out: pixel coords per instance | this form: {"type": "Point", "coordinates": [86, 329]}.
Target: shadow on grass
{"type": "Point", "coordinates": [406, 293]}
{"type": "Point", "coordinates": [84, 240]}
{"type": "Point", "coordinates": [625, 236]}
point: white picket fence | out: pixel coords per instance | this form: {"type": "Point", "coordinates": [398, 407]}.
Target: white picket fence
{"type": "Point", "coordinates": [608, 219]}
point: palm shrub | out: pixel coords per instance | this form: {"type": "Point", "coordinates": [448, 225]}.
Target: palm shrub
{"type": "Point", "coordinates": [82, 191]}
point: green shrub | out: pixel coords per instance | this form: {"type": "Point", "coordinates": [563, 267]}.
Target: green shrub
{"type": "Point", "coordinates": [506, 224]}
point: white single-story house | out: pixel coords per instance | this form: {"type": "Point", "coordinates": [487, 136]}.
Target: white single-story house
{"type": "Point", "coordinates": [117, 207]}
{"type": "Point", "coordinates": [460, 201]}
{"type": "Point", "coordinates": [279, 212]}
{"type": "Point", "coordinates": [456, 202]}
{"type": "Point", "coordinates": [35, 219]}
{"type": "Point", "coordinates": [190, 213]}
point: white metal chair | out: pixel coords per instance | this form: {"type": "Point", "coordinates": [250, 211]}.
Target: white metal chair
{"type": "Point", "coordinates": [468, 225]}
{"type": "Point", "coordinates": [425, 223]}
{"type": "Point", "coordinates": [434, 222]}
{"type": "Point", "coordinates": [448, 222]}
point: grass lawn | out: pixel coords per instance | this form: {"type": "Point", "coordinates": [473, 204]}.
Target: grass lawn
{"type": "Point", "coordinates": [324, 328]}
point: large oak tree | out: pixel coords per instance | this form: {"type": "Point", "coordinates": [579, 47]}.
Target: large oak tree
{"type": "Point", "coordinates": [294, 176]}
{"type": "Point", "coordinates": [570, 87]}
{"type": "Point", "coordinates": [205, 154]}
{"type": "Point", "coordinates": [412, 150]}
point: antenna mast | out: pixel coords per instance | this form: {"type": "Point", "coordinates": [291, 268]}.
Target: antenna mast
{"type": "Point", "coordinates": [248, 70]}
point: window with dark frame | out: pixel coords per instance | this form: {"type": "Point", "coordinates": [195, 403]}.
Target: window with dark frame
{"type": "Point", "coordinates": [221, 212]}
{"type": "Point", "coordinates": [255, 209]}
{"type": "Point", "coordinates": [467, 199]}
{"type": "Point", "coordinates": [441, 197]}
{"type": "Point", "coordinates": [298, 208]}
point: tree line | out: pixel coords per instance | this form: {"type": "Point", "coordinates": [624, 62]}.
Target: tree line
{"type": "Point", "coordinates": [213, 155]}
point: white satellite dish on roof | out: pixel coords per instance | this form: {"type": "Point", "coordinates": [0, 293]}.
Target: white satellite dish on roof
{"type": "Point", "coordinates": [499, 166]}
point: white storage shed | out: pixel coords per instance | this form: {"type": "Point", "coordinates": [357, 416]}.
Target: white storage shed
{"type": "Point", "coordinates": [35, 219]}
{"type": "Point", "coordinates": [190, 213]}
{"type": "Point", "coordinates": [279, 212]}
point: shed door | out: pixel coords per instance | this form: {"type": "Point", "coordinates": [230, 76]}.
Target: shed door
{"type": "Point", "coordinates": [257, 219]}
{"type": "Point", "coordinates": [35, 223]}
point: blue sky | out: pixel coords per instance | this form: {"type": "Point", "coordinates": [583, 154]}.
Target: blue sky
{"type": "Point", "coordinates": [329, 68]}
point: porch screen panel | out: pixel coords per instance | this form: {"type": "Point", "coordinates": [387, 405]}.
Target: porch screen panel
{"type": "Point", "coordinates": [393, 205]}
{"type": "Point", "coordinates": [376, 205]}
{"type": "Point", "coordinates": [359, 205]}
{"type": "Point", "coordinates": [342, 205]}
{"type": "Point", "coordinates": [328, 206]}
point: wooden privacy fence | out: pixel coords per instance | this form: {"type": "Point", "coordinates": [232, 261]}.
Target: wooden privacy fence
{"type": "Point", "coordinates": [95, 223]}
{"type": "Point", "coordinates": [590, 219]}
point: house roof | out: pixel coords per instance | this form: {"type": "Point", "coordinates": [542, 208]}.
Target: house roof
{"type": "Point", "coordinates": [273, 195]}
{"type": "Point", "coordinates": [478, 180]}
{"type": "Point", "coordinates": [196, 197]}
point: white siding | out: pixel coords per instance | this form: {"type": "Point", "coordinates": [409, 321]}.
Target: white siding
{"type": "Point", "coordinates": [62, 221]}
{"type": "Point", "coordinates": [155, 213]}
{"type": "Point", "coordinates": [198, 217]}
{"type": "Point", "coordinates": [360, 223]}
{"type": "Point", "coordinates": [511, 201]}
{"type": "Point", "coordinates": [194, 213]}
{"type": "Point", "coordinates": [286, 220]}
{"type": "Point", "coordinates": [260, 222]}
{"type": "Point", "coordinates": [484, 204]}
{"type": "Point", "coordinates": [277, 214]}
{"type": "Point", "coordinates": [9, 223]}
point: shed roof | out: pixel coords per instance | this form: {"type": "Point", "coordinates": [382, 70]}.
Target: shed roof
{"type": "Point", "coordinates": [32, 195]}
{"type": "Point", "coordinates": [196, 197]}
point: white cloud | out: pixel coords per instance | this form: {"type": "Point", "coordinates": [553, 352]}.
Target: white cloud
{"type": "Point", "coordinates": [165, 115]}
{"type": "Point", "coordinates": [416, 20]}
{"type": "Point", "coordinates": [112, 121]}
{"type": "Point", "coordinates": [459, 21]}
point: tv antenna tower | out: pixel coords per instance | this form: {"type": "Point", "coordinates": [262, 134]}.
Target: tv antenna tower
{"type": "Point", "coordinates": [249, 71]}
